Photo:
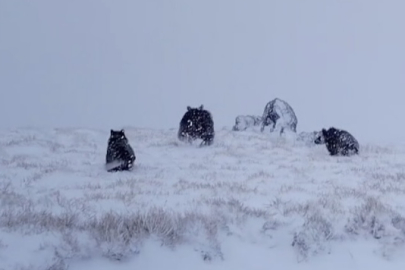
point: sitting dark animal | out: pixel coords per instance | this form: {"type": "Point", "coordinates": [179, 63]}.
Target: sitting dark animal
{"type": "Point", "coordinates": [120, 155]}
{"type": "Point", "coordinates": [243, 122]}
{"type": "Point", "coordinates": [338, 142]}
{"type": "Point", "coordinates": [197, 123]}
{"type": "Point", "coordinates": [279, 115]}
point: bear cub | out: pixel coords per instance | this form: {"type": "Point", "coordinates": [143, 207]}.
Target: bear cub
{"type": "Point", "coordinates": [197, 123]}
{"type": "Point", "coordinates": [120, 155]}
{"type": "Point", "coordinates": [338, 142]}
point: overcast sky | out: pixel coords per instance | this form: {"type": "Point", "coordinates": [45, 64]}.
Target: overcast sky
{"type": "Point", "coordinates": [108, 64]}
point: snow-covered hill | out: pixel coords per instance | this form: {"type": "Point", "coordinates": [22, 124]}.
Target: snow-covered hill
{"type": "Point", "coordinates": [250, 201]}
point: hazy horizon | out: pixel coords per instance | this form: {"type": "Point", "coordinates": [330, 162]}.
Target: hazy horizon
{"type": "Point", "coordinates": [105, 64]}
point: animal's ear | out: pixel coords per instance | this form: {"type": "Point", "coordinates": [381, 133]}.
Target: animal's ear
{"type": "Point", "coordinates": [111, 132]}
{"type": "Point", "coordinates": [188, 108]}
{"type": "Point", "coordinates": [201, 107]}
{"type": "Point", "coordinates": [324, 132]}
{"type": "Point", "coordinates": [122, 131]}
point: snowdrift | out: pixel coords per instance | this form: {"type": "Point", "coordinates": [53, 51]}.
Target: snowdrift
{"type": "Point", "coordinates": [249, 201]}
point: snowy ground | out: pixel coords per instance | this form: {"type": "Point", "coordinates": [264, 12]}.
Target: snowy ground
{"type": "Point", "coordinates": [250, 201]}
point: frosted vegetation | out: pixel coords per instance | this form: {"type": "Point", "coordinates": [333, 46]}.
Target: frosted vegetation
{"type": "Point", "coordinates": [59, 207]}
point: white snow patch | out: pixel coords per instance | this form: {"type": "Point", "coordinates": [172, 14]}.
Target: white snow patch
{"type": "Point", "coordinates": [252, 200]}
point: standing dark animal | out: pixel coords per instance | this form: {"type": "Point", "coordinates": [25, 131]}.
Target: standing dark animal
{"type": "Point", "coordinates": [197, 123]}
{"type": "Point", "coordinates": [242, 122]}
{"type": "Point", "coordinates": [279, 115]}
{"type": "Point", "coordinates": [338, 142]}
{"type": "Point", "coordinates": [120, 155]}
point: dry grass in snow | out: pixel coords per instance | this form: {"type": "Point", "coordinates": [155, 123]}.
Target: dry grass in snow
{"type": "Point", "coordinates": [58, 206]}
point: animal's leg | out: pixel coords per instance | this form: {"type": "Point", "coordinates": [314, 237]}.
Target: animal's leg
{"type": "Point", "coordinates": [207, 138]}
{"type": "Point", "coordinates": [115, 169]}
{"type": "Point", "coordinates": [273, 127]}
{"type": "Point", "coordinates": [262, 128]}
{"type": "Point", "coordinates": [333, 151]}
{"type": "Point", "coordinates": [185, 138]}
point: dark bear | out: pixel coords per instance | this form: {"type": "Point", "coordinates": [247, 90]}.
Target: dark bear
{"type": "Point", "coordinates": [338, 142]}
{"type": "Point", "coordinates": [243, 122]}
{"type": "Point", "coordinates": [197, 123]}
{"type": "Point", "coordinates": [120, 155]}
{"type": "Point", "coordinates": [279, 115]}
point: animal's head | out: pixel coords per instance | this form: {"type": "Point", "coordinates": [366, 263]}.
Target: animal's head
{"type": "Point", "coordinates": [330, 133]}
{"type": "Point", "coordinates": [320, 137]}
{"type": "Point", "coordinates": [116, 135]}
{"type": "Point", "coordinates": [194, 111]}
{"type": "Point", "coordinates": [326, 134]}
{"type": "Point", "coordinates": [189, 108]}
{"type": "Point", "coordinates": [193, 119]}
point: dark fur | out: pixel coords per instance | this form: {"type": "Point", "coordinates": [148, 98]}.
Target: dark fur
{"type": "Point", "coordinates": [197, 123]}
{"type": "Point", "coordinates": [338, 142]}
{"type": "Point", "coordinates": [119, 150]}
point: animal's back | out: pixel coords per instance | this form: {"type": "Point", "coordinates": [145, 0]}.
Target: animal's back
{"type": "Point", "coordinates": [349, 139]}
{"type": "Point", "coordinates": [242, 122]}
{"type": "Point", "coordinates": [285, 112]}
{"type": "Point", "coordinates": [340, 142]}
{"type": "Point", "coordinates": [122, 153]}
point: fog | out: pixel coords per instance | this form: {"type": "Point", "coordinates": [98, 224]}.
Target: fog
{"type": "Point", "coordinates": [109, 64]}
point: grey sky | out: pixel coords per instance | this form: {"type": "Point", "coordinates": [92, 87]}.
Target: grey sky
{"type": "Point", "coordinates": [108, 64]}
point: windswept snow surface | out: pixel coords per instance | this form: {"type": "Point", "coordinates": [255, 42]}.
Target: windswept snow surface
{"type": "Point", "coordinates": [250, 201]}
